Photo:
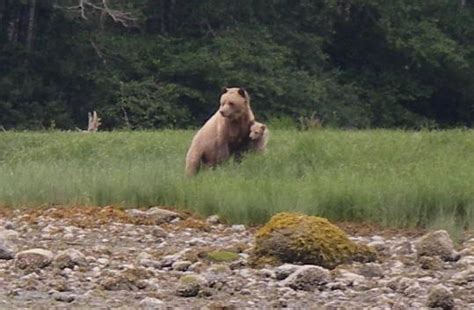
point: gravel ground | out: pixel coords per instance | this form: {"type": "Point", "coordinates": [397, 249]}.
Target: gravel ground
{"type": "Point", "coordinates": [106, 258]}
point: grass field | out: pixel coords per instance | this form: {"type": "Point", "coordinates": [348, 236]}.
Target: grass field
{"type": "Point", "coordinates": [394, 178]}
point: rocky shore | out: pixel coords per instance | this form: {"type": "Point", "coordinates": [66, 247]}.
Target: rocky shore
{"type": "Point", "coordinates": [108, 258]}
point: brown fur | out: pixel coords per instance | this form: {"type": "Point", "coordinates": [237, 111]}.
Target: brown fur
{"type": "Point", "coordinates": [259, 135]}
{"type": "Point", "coordinates": [223, 133]}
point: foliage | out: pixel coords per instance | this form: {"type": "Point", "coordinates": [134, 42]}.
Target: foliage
{"type": "Point", "coordinates": [356, 63]}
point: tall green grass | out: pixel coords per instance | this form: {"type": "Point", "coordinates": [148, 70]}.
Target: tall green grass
{"type": "Point", "coordinates": [395, 178]}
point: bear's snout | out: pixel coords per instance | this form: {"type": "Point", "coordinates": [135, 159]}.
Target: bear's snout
{"type": "Point", "coordinates": [223, 113]}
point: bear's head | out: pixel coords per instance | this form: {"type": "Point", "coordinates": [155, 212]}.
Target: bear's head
{"type": "Point", "coordinates": [257, 130]}
{"type": "Point", "coordinates": [234, 103]}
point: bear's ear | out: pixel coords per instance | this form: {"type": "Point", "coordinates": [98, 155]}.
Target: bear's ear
{"type": "Point", "coordinates": [264, 127]}
{"type": "Point", "coordinates": [223, 90]}
{"type": "Point", "coordinates": [242, 92]}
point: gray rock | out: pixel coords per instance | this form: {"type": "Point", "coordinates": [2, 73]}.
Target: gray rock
{"type": "Point", "coordinates": [70, 258]}
{"type": "Point", "coordinates": [466, 261]}
{"type": "Point", "coordinates": [181, 265]}
{"type": "Point", "coordinates": [8, 225]}
{"type": "Point", "coordinates": [103, 261]}
{"type": "Point", "coordinates": [414, 290]}
{"type": "Point", "coordinates": [283, 271]}
{"type": "Point", "coordinates": [33, 259]}
{"type": "Point", "coordinates": [154, 215]}
{"type": "Point", "coordinates": [9, 235]}
{"type": "Point", "coordinates": [197, 267]}
{"type": "Point", "coordinates": [430, 262]}
{"type": "Point", "coordinates": [463, 277]}
{"type": "Point", "coordinates": [151, 303]}
{"type": "Point", "coordinates": [7, 250]}
{"type": "Point", "coordinates": [8, 240]}
{"type": "Point", "coordinates": [168, 260]}
{"type": "Point", "coordinates": [189, 285]}
{"type": "Point", "coordinates": [64, 297]}
{"type": "Point", "coordinates": [436, 243]}
{"type": "Point", "coordinates": [371, 270]}
{"type": "Point", "coordinates": [440, 297]}
{"type": "Point", "coordinates": [400, 284]}
{"type": "Point", "coordinates": [403, 248]}
{"type": "Point", "coordinates": [213, 220]}
{"type": "Point", "coordinates": [348, 278]}
{"type": "Point", "coordinates": [307, 278]}
{"type": "Point", "coordinates": [379, 246]}
{"type": "Point", "coordinates": [218, 275]}
{"type": "Point", "coordinates": [128, 279]}
{"type": "Point", "coordinates": [267, 273]}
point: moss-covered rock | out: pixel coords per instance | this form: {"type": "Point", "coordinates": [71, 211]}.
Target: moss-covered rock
{"type": "Point", "coordinates": [302, 239]}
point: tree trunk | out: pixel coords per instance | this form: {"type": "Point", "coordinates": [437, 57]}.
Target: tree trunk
{"type": "Point", "coordinates": [13, 27]}
{"type": "Point", "coordinates": [3, 7]}
{"type": "Point", "coordinates": [162, 16]}
{"type": "Point", "coordinates": [31, 23]}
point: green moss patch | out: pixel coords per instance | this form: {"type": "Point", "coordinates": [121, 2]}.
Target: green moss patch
{"type": "Point", "coordinates": [302, 239]}
{"type": "Point", "coordinates": [222, 256]}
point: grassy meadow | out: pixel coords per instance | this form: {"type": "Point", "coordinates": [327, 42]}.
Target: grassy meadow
{"type": "Point", "coordinates": [394, 178]}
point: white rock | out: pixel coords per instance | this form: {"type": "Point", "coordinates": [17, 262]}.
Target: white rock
{"type": "Point", "coordinates": [238, 228]}
{"type": "Point", "coordinates": [151, 303]}
{"type": "Point", "coordinates": [283, 271]}
{"type": "Point", "coordinates": [103, 261]}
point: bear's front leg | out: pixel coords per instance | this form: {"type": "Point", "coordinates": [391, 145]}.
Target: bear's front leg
{"type": "Point", "coordinates": [223, 153]}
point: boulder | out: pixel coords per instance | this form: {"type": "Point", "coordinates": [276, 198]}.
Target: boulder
{"type": "Point", "coordinates": [436, 243]}
{"type": "Point", "coordinates": [307, 278]}
{"type": "Point", "coordinates": [70, 258]}
{"type": "Point", "coordinates": [302, 239]}
{"type": "Point", "coordinates": [33, 259]}
{"type": "Point", "coordinates": [440, 297]}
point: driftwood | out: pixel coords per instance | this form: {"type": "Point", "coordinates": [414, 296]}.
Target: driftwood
{"type": "Point", "coordinates": [94, 122]}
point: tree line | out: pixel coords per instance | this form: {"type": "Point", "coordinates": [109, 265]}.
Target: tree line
{"type": "Point", "coordinates": [161, 63]}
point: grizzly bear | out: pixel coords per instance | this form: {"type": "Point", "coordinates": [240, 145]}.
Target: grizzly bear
{"type": "Point", "coordinates": [259, 134]}
{"type": "Point", "coordinates": [223, 134]}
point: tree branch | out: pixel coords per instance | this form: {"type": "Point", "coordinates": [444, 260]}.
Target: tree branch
{"type": "Point", "coordinates": [97, 51]}
{"type": "Point", "coordinates": [118, 16]}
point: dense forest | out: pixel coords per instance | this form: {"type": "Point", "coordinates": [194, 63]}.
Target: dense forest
{"type": "Point", "coordinates": [162, 63]}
